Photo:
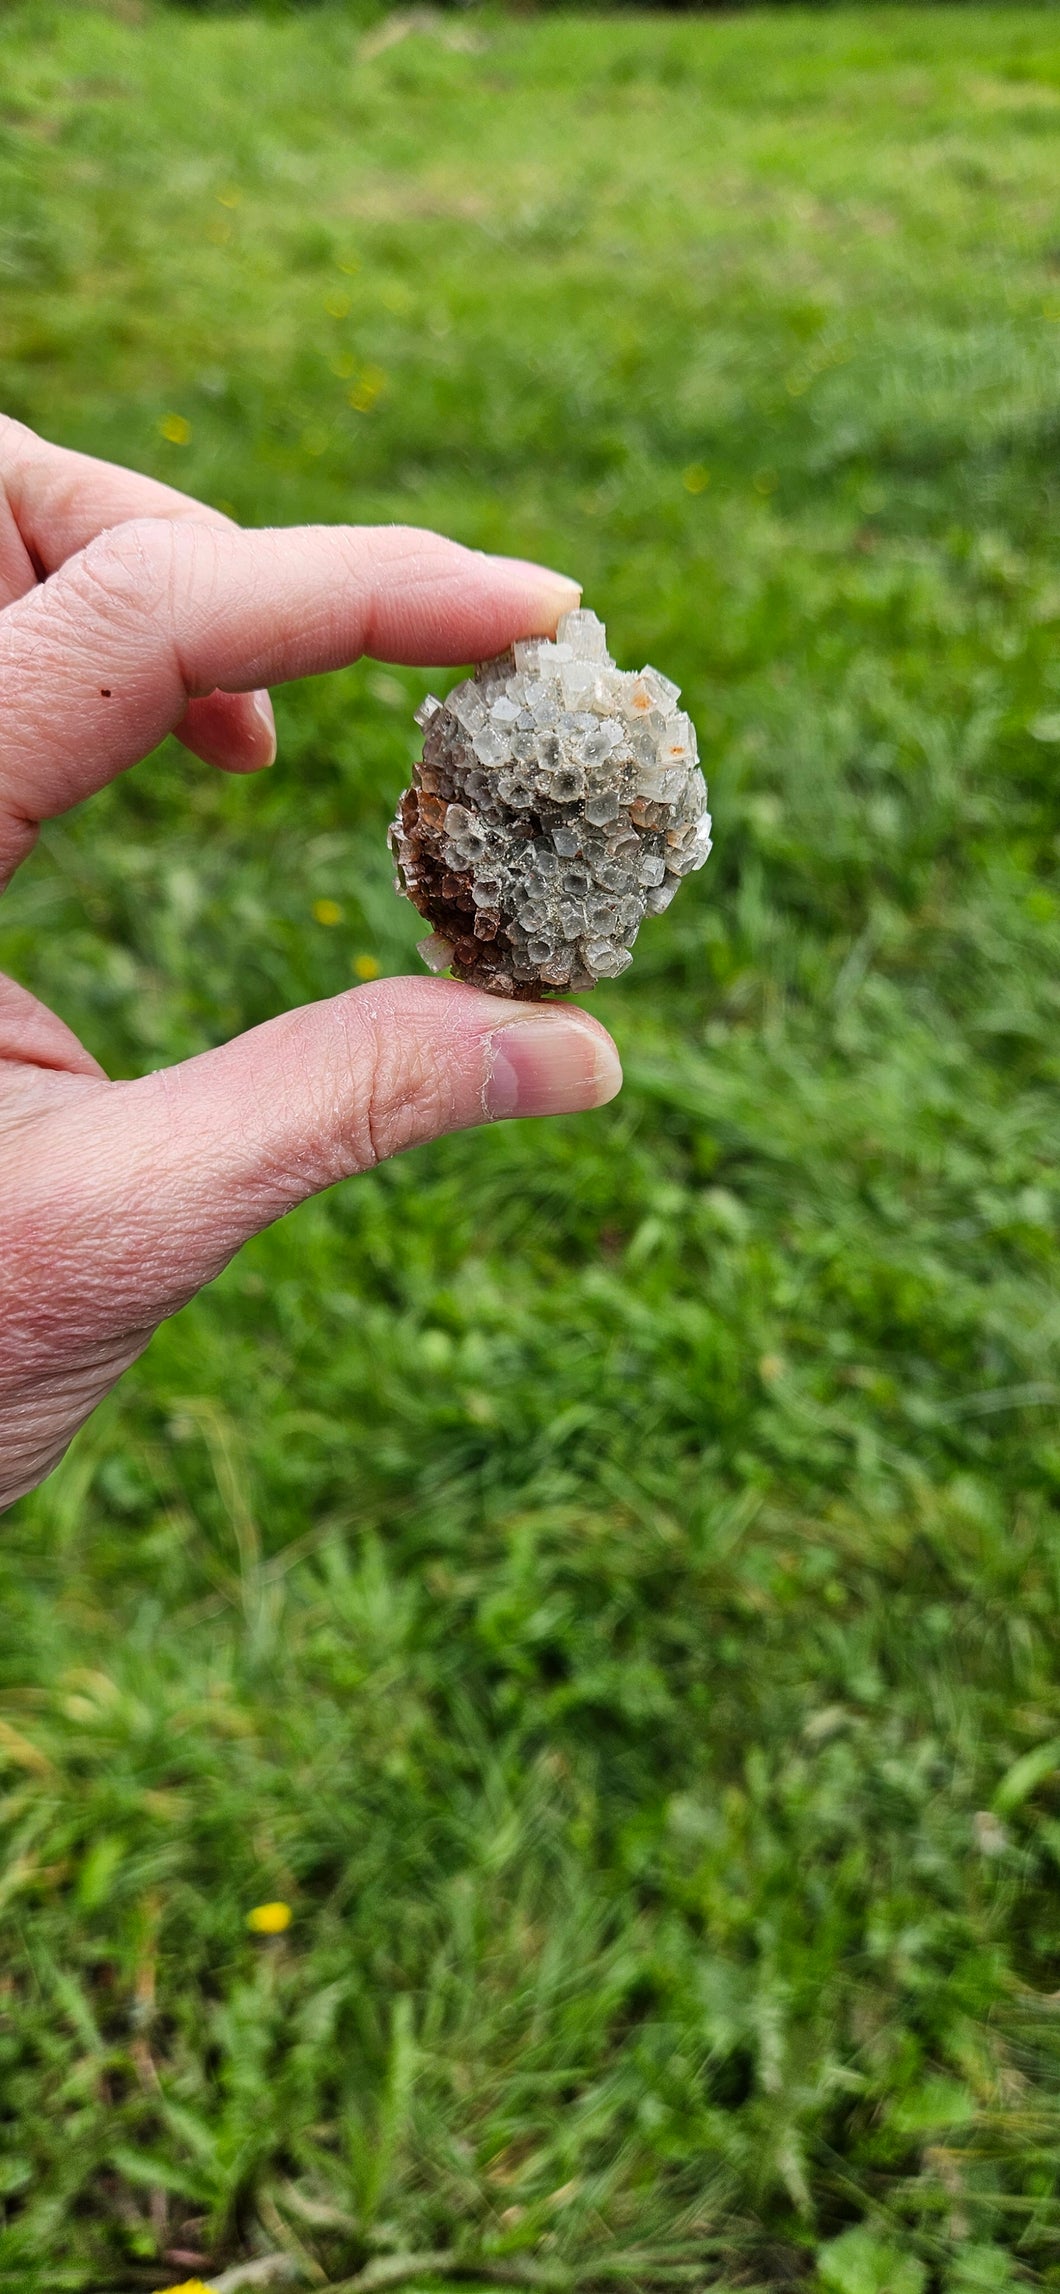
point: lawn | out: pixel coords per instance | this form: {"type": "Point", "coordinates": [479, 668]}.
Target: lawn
{"type": "Point", "coordinates": [603, 1577]}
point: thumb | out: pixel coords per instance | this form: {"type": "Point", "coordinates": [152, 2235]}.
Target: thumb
{"type": "Point", "coordinates": [179, 1168]}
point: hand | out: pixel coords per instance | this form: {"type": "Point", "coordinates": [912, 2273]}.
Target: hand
{"type": "Point", "coordinates": [128, 611]}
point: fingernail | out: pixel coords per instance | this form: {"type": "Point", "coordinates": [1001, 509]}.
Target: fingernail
{"type": "Point", "coordinates": [559, 593]}
{"type": "Point", "coordinates": [262, 708]}
{"type": "Point", "coordinates": [549, 1064]}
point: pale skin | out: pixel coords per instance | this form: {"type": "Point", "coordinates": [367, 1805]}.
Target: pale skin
{"type": "Point", "coordinates": [129, 611]}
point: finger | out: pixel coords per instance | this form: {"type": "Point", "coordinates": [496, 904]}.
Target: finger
{"type": "Point", "coordinates": [167, 1176]}
{"type": "Point", "coordinates": [235, 731]}
{"type": "Point", "coordinates": [56, 501]}
{"type": "Point", "coordinates": [31, 1035]}
{"type": "Point", "coordinates": [99, 662]}
{"type": "Point", "coordinates": [53, 502]}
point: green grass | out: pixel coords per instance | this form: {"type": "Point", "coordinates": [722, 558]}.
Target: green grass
{"type": "Point", "coordinates": [604, 1576]}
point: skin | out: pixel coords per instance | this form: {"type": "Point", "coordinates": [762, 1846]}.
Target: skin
{"type": "Point", "coordinates": [129, 611]}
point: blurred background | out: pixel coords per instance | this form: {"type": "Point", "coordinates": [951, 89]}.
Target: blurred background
{"type": "Point", "coordinates": [530, 1725]}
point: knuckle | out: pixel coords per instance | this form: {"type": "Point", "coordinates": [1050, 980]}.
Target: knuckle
{"type": "Point", "coordinates": [127, 570]}
{"type": "Point", "coordinates": [352, 1113]}
{"type": "Point", "coordinates": [155, 575]}
{"type": "Point", "coordinates": [403, 1095]}
{"type": "Point", "coordinates": [380, 1091]}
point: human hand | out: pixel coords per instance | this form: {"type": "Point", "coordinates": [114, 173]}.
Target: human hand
{"type": "Point", "coordinates": [128, 611]}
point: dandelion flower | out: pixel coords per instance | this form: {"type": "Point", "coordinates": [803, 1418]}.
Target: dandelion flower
{"type": "Point", "coordinates": [269, 1919]}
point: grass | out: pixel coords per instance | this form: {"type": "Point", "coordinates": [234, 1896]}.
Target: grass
{"type": "Point", "coordinates": [605, 1576]}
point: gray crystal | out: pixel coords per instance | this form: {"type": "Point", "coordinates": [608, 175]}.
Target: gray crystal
{"type": "Point", "coordinates": [558, 800]}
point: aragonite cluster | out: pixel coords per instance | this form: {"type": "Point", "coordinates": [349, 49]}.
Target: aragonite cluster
{"type": "Point", "coordinates": [557, 803]}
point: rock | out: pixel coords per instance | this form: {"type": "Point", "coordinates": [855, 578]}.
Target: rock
{"type": "Point", "coordinates": [557, 802]}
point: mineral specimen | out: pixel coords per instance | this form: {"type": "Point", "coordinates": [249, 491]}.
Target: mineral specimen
{"type": "Point", "coordinates": [558, 801]}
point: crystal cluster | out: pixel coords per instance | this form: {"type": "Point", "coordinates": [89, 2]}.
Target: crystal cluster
{"type": "Point", "coordinates": [558, 801]}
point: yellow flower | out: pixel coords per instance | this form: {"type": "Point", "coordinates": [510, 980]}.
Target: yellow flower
{"type": "Point", "coordinates": [327, 911]}
{"type": "Point", "coordinates": [188, 2286]}
{"type": "Point", "coordinates": [176, 429]}
{"type": "Point", "coordinates": [269, 1919]}
{"type": "Point", "coordinates": [695, 479]}
{"type": "Point", "coordinates": [366, 967]}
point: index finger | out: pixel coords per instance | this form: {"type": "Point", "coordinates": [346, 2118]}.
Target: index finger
{"type": "Point", "coordinates": [98, 663]}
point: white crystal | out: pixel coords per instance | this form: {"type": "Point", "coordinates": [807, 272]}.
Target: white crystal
{"type": "Point", "coordinates": [586, 633]}
{"type": "Point", "coordinates": [661, 688]}
{"type": "Point", "coordinates": [466, 705]}
{"type": "Point", "coordinates": [435, 952]}
{"type": "Point", "coordinates": [603, 958]}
